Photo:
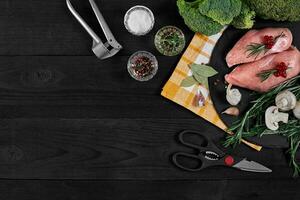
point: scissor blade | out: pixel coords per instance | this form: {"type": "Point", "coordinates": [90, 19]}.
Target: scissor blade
{"type": "Point", "coordinates": [251, 166]}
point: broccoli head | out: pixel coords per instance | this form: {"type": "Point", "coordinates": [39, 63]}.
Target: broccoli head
{"type": "Point", "coordinates": [222, 11]}
{"type": "Point", "coordinates": [195, 20]}
{"type": "Point", "coordinates": [279, 10]}
{"type": "Point", "coordinates": [246, 18]}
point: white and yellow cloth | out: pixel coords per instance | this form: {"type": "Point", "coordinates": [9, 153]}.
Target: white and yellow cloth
{"type": "Point", "coordinates": [199, 51]}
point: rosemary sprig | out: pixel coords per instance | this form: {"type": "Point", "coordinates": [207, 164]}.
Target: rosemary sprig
{"type": "Point", "coordinates": [255, 49]}
{"type": "Point", "coordinates": [279, 36]}
{"type": "Point", "coordinates": [290, 131]}
{"type": "Point", "coordinates": [252, 123]}
{"type": "Point", "coordinates": [264, 75]}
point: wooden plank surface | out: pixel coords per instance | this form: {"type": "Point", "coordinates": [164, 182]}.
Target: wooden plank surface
{"type": "Point", "coordinates": [111, 149]}
{"type": "Point", "coordinates": [158, 190]}
{"type": "Point", "coordinates": [48, 28]}
{"type": "Point", "coordinates": [75, 127]}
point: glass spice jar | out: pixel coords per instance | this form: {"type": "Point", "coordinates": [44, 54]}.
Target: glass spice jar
{"type": "Point", "coordinates": [142, 66]}
{"type": "Point", "coordinates": [139, 20]}
{"type": "Point", "coordinates": [169, 41]}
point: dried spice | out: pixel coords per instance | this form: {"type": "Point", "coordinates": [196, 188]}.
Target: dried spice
{"type": "Point", "coordinates": [142, 66]}
{"type": "Point", "coordinates": [200, 74]}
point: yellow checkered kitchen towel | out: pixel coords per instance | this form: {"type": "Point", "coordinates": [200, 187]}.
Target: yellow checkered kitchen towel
{"type": "Point", "coordinates": [199, 51]}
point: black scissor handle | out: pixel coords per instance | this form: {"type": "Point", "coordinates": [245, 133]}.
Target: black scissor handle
{"type": "Point", "coordinates": [206, 143]}
{"type": "Point", "coordinates": [175, 159]}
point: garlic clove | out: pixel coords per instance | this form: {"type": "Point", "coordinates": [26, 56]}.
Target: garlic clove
{"type": "Point", "coordinates": [233, 96]}
{"type": "Point", "coordinates": [234, 111]}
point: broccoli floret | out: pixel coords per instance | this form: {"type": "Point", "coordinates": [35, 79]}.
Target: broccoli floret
{"type": "Point", "coordinates": [195, 20]}
{"type": "Point", "coordinates": [279, 10]}
{"type": "Point", "coordinates": [222, 11]}
{"type": "Point", "coordinates": [246, 18]}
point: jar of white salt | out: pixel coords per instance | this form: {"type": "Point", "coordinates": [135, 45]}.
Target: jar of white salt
{"type": "Point", "coordinates": [139, 20]}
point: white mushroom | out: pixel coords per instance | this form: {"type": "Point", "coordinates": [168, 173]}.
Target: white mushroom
{"type": "Point", "coordinates": [296, 110]}
{"type": "Point", "coordinates": [285, 100]}
{"type": "Point", "coordinates": [273, 117]}
{"type": "Point", "coordinates": [233, 96]}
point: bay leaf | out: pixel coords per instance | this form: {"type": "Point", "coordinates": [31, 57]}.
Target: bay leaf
{"type": "Point", "coordinates": [203, 70]}
{"type": "Point", "coordinates": [188, 81]}
{"type": "Point", "coordinates": [202, 80]}
{"type": "Point", "coordinates": [205, 84]}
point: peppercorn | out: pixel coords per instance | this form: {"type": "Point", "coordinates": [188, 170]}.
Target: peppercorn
{"type": "Point", "coordinates": [142, 66]}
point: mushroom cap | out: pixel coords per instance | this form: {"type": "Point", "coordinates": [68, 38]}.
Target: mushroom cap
{"type": "Point", "coordinates": [296, 110]}
{"type": "Point", "coordinates": [270, 119]}
{"type": "Point", "coordinates": [273, 116]}
{"type": "Point", "coordinates": [286, 100]}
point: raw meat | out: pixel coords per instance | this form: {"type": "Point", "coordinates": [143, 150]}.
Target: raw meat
{"type": "Point", "coordinates": [239, 54]}
{"type": "Point", "coordinates": [246, 75]}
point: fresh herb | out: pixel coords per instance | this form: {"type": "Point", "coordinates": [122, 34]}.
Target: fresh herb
{"type": "Point", "coordinates": [278, 71]}
{"type": "Point", "coordinates": [255, 49]}
{"type": "Point", "coordinates": [252, 123]}
{"type": "Point", "coordinates": [200, 74]}
{"type": "Point", "coordinates": [169, 40]}
{"type": "Point", "coordinates": [264, 75]}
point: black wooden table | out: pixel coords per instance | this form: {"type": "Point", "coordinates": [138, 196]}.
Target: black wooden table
{"type": "Point", "coordinates": [75, 127]}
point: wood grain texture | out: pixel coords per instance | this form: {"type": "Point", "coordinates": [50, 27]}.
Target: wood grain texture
{"type": "Point", "coordinates": [47, 68]}
{"type": "Point", "coordinates": [55, 86]}
{"type": "Point", "coordinates": [48, 28]}
{"type": "Point", "coordinates": [111, 149]}
{"type": "Point", "coordinates": [85, 130]}
{"type": "Point", "coordinates": [150, 190]}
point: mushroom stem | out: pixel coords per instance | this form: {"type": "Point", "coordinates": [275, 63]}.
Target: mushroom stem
{"type": "Point", "coordinates": [282, 117]}
{"type": "Point", "coordinates": [273, 117]}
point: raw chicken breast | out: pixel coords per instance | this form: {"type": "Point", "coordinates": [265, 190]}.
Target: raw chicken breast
{"type": "Point", "coordinates": [246, 75]}
{"type": "Point", "coordinates": [239, 54]}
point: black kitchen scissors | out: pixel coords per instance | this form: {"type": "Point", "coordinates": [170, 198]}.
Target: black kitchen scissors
{"type": "Point", "coordinates": [209, 155]}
